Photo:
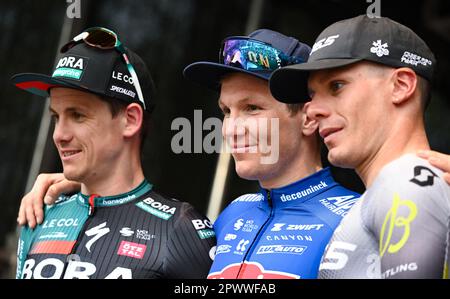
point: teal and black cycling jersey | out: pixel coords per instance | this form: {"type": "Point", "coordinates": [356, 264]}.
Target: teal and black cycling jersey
{"type": "Point", "coordinates": [139, 234]}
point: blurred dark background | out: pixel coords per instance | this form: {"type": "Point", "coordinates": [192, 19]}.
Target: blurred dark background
{"type": "Point", "coordinates": [169, 35]}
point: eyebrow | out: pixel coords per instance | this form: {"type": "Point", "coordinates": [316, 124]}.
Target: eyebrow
{"type": "Point", "coordinates": [69, 109]}
{"type": "Point", "coordinates": [241, 101]}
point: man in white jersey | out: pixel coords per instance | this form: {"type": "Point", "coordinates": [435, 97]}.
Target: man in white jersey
{"type": "Point", "coordinates": [369, 82]}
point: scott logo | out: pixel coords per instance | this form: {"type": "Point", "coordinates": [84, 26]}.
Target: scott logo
{"type": "Point", "coordinates": [324, 42]}
{"type": "Point", "coordinates": [250, 270]}
{"type": "Point", "coordinates": [423, 176]}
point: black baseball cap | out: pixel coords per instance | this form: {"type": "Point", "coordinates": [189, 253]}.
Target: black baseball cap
{"type": "Point", "coordinates": [209, 74]}
{"type": "Point", "coordinates": [99, 71]}
{"type": "Point", "coordinates": [380, 40]}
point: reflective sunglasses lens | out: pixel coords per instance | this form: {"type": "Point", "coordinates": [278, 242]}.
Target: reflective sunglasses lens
{"type": "Point", "coordinates": [250, 55]}
{"type": "Point", "coordinates": [101, 39]}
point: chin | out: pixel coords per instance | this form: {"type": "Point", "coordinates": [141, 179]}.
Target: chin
{"type": "Point", "coordinates": [340, 159]}
{"type": "Point", "coordinates": [246, 170]}
{"type": "Point", "coordinates": [71, 175]}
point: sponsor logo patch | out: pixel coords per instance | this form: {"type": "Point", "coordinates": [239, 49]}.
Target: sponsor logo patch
{"type": "Point", "coordinates": [156, 208]}
{"type": "Point", "coordinates": [284, 249]}
{"type": "Point", "coordinates": [131, 249]}
{"type": "Point", "coordinates": [71, 67]}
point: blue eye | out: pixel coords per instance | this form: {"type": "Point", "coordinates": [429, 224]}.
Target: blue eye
{"type": "Point", "coordinates": [335, 86]}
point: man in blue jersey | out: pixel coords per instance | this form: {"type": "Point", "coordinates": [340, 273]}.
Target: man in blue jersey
{"type": "Point", "coordinates": [281, 231]}
{"type": "Point", "coordinates": [117, 226]}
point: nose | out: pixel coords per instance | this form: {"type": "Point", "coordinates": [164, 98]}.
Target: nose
{"type": "Point", "coordinates": [61, 132]}
{"type": "Point", "coordinates": [316, 110]}
{"type": "Point", "coordinates": [233, 127]}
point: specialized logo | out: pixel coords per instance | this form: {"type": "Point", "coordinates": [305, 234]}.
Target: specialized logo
{"type": "Point", "coordinates": [250, 270]}
{"type": "Point", "coordinates": [394, 221]}
{"type": "Point", "coordinates": [156, 208]}
{"type": "Point", "coordinates": [339, 205]}
{"type": "Point", "coordinates": [131, 249]}
{"type": "Point", "coordinates": [310, 190]}
{"type": "Point", "coordinates": [414, 59]}
{"type": "Point", "coordinates": [423, 176]}
{"type": "Point", "coordinates": [238, 224]}
{"type": "Point", "coordinates": [98, 232]}
{"type": "Point", "coordinates": [71, 67]}
{"type": "Point", "coordinates": [284, 249]}
{"type": "Point", "coordinates": [379, 49]}
{"type": "Point", "coordinates": [122, 90]}
{"type": "Point", "coordinates": [324, 42]}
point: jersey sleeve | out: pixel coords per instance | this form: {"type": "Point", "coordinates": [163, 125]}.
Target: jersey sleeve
{"type": "Point", "coordinates": [190, 245]}
{"type": "Point", "coordinates": [23, 246]}
{"type": "Point", "coordinates": [410, 219]}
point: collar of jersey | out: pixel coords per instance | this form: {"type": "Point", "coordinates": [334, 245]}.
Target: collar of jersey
{"type": "Point", "coordinates": [299, 191]}
{"type": "Point", "coordinates": [115, 200]}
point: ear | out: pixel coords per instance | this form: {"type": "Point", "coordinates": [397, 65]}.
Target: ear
{"type": "Point", "coordinates": [309, 125]}
{"type": "Point", "coordinates": [133, 117]}
{"type": "Point", "coordinates": [405, 82]}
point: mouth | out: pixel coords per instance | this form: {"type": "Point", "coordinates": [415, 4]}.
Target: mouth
{"type": "Point", "coordinates": [328, 132]}
{"type": "Point", "coordinates": [244, 149]}
{"type": "Point", "coordinates": [68, 154]}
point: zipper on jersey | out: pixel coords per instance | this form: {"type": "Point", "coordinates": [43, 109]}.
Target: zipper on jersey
{"type": "Point", "coordinates": [260, 231]}
{"type": "Point", "coordinates": [91, 211]}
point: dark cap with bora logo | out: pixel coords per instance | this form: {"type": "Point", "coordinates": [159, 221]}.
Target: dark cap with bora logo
{"type": "Point", "coordinates": [100, 71]}
{"type": "Point", "coordinates": [380, 40]}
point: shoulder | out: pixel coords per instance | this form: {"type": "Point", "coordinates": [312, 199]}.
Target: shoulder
{"type": "Point", "coordinates": [181, 210]}
{"type": "Point", "coordinates": [238, 206]}
{"type": "Point", "coordinates": [243, 202]}
{"type": "Point", "coordinates": [411, 176]}
{"type": "Point", "coordinates": [407, 185]}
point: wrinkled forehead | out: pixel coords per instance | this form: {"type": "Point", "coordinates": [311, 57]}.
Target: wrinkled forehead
{"type": "Point", "coordinates": [362, 69]}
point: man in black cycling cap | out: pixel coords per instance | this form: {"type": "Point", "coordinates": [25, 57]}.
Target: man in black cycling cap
{"type": "Point", "coordinates": [117, 226]}
{"type": "Point", "coordinates": [369, 82]}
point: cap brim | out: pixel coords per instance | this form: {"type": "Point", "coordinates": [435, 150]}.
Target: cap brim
{"type": "Point", "coordinates": [289, 84]}
{"type": "Point", "coordinates": [209, 74]}
{"type": "Point", "coordinates": [39, 84]}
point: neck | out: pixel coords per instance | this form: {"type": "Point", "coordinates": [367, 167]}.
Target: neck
{"type": "Point", "coordinates": [307, 161]}
{"type": "Point", "coordinates": [408, 136]}
{"type": "Point", "coordinates": [123, 176]}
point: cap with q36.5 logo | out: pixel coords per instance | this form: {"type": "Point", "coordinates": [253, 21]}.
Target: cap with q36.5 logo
{"type": "Point", "coordinates": [379, 40]}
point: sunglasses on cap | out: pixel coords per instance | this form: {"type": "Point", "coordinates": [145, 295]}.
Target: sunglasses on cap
{"type": "Point", "coordinates": [253, 55]}
{"type": "Point", "coordinates": [106, 39]}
